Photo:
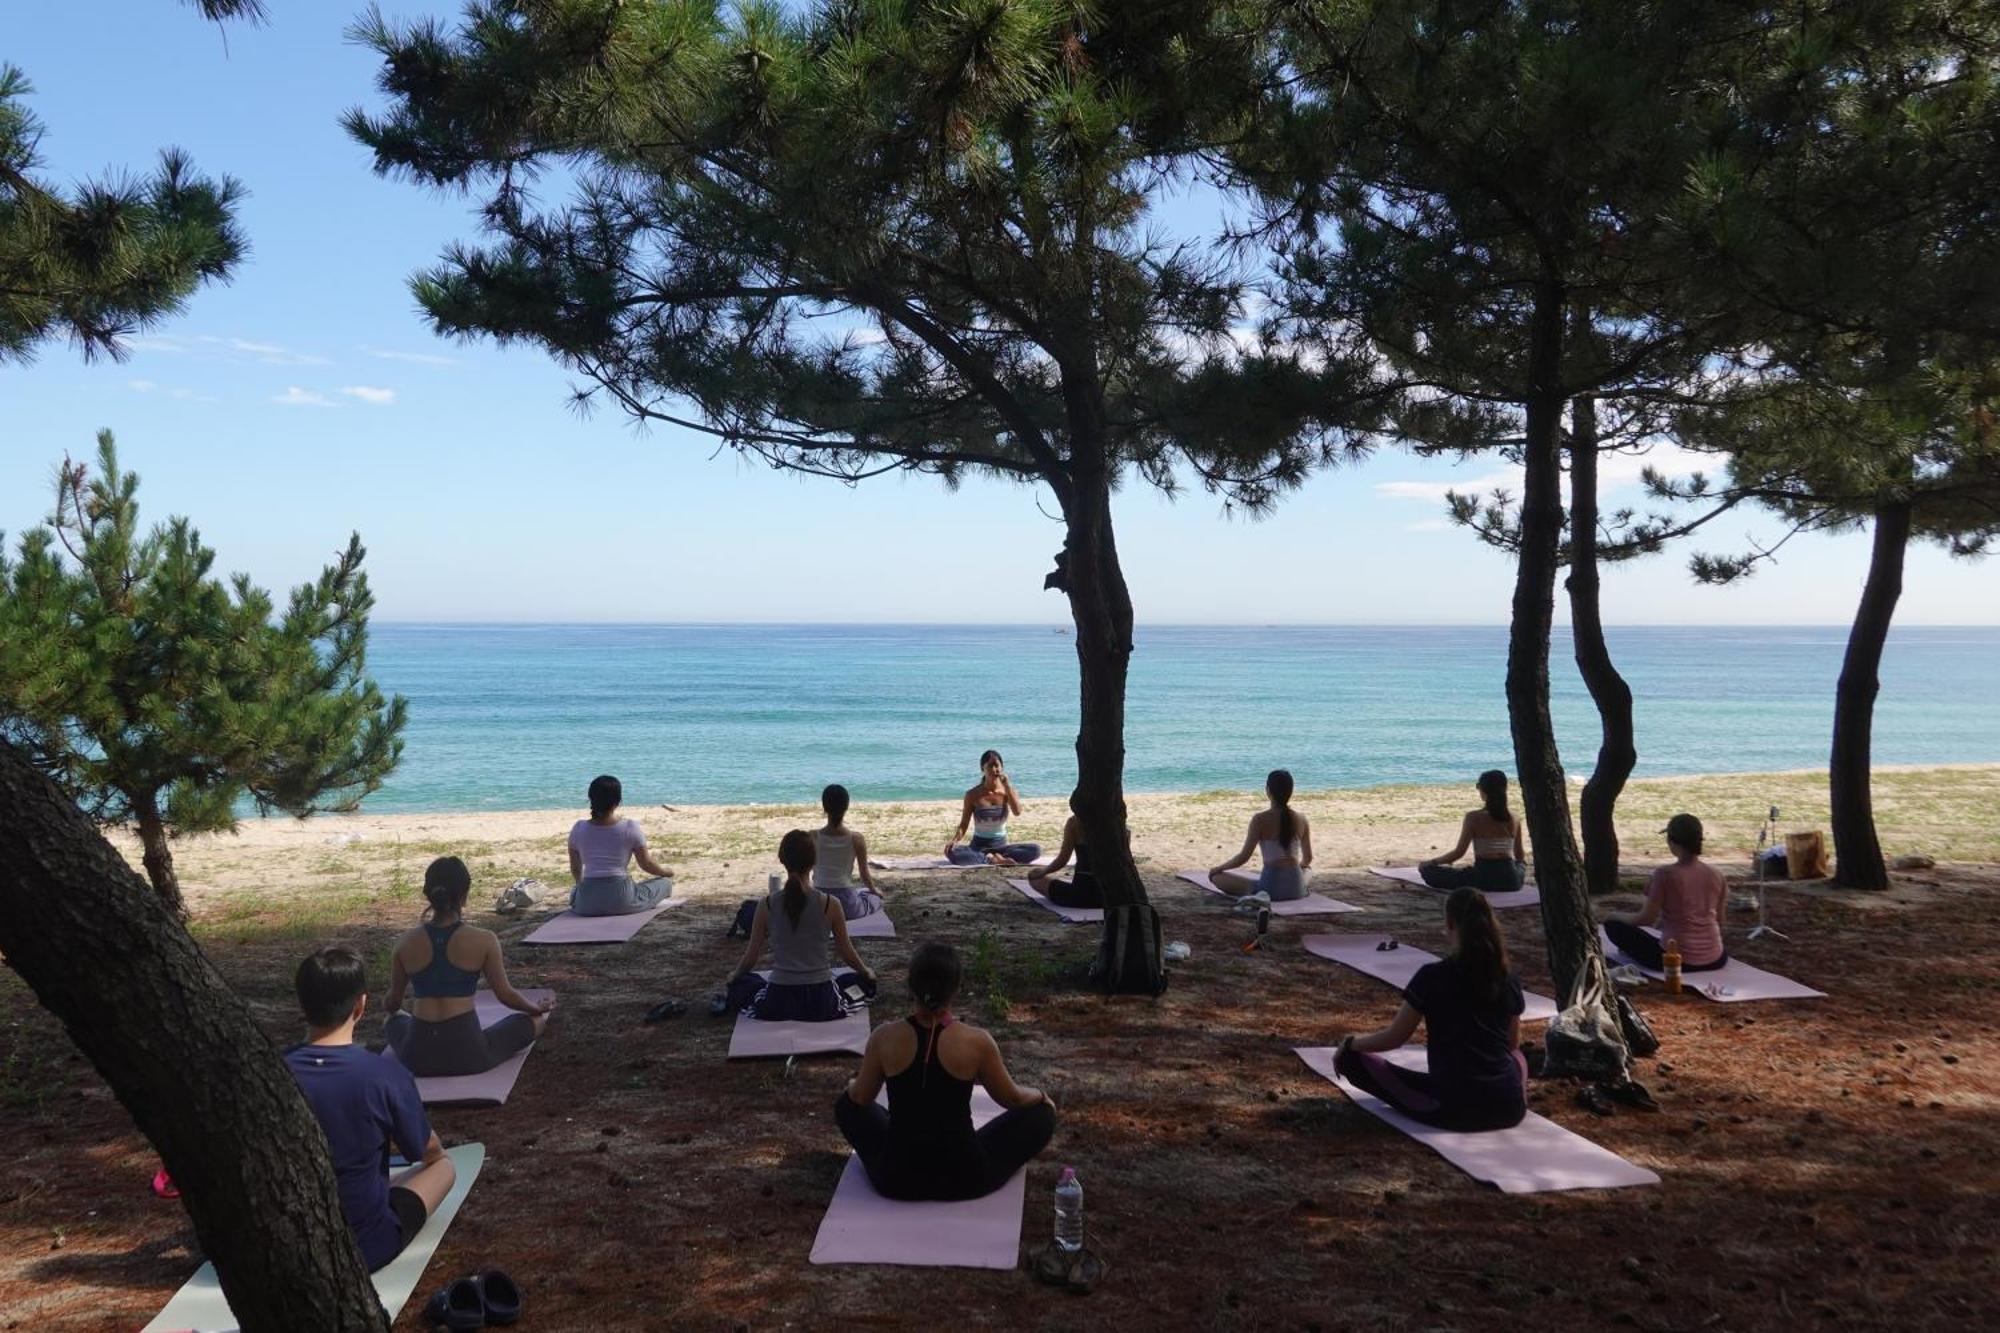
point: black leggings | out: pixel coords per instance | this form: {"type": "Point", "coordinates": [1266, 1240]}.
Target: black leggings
{"type": "Point", "coordinates": [1006, 1142]}
{"type": "Point", "coordinates": [1083, 891]}
{"type": "Point", "coordinates": [1488, 874]}
{"type": "Point", "coordinates": [1643, 947]}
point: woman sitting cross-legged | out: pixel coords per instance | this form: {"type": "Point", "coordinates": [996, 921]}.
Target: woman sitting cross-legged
{"type": "Point", "coordinates": [840, 855]}
{"type": "Point", "coordinates": [985, 812]}
{"type": "Point", "coordinates": [803, 927]}
{"type": "Point", "coordinates": [600, 850]}
{"type": "Point", "coordinates": [1687, 899]}
{"type": "Point", "coordinates": [1493, 832]}
{"type": "Point", "coordinates": [1471, 1003]}
{"type": "Point", "coordinates": [1081, 889]}
{"type": "Point", "coordinates": [924, 1145]}
{"type": "Point", "coordinates": [440, 963]}
{"type": "Point", "coordinates": [1284, 838]}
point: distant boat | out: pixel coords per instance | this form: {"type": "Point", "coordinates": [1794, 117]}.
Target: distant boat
{"type": "Point", "coordinates": [1059, 630]}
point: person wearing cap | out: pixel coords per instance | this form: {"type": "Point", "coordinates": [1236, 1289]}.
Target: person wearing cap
{"type": "Point", "coordinates": [1685, 899]}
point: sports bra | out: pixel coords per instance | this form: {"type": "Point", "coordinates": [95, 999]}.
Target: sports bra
{"type": "Point", "coordinates": [441, 978]}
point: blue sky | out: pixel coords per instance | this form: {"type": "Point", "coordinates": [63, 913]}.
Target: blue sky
{"type": "Point", "coordinates": [306, 399]}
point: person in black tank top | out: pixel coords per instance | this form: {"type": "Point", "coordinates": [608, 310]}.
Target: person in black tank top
{"type": "Point", "coordinates": [1082, 888]}
{"type": "Point", "coordinates": [925, 1146]}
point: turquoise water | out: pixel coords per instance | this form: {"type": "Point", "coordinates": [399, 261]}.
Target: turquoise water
{"type": "Point", "coordinates": [510, 717]}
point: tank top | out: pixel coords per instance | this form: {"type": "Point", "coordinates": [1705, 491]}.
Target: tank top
{"type": "Point", "coordinates": [834, 868]}
{"type": "Point", "coordinates": [441, 978]}
{"type": "Point", "coordinates": [801, 955]}
{"type": "Point", "coordinates": [930, 1110]}
{"type": "Point", "coordinates": [989, 823]}
{"type": "Point", "coordinates": [1274, 850]}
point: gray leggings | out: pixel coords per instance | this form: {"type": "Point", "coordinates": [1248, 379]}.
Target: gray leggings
{"type": "Point", "coordinates": [456, 1045]}
{"type": "Point", "coordinates": [617, 895]}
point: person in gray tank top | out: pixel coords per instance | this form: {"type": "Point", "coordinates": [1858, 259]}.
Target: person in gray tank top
{"type": "Point", "coordinates": [804, 928]}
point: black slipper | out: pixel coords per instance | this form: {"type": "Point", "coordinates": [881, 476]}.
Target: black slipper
{"type": "Point", "coordinates": [1631, 1093]}
{"type": "Point", "coordinates": [502, 1296]}
{"type": "Point", "coordinates": [457, 1305]}
{"type": "Point", "coordinates": [668, 1008]}
{"type": "Point", "coordinates": [1594, 1101]}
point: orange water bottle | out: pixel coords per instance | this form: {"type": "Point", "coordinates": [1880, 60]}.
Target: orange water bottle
{"type": "Point", "coordinates": [1670, 957]}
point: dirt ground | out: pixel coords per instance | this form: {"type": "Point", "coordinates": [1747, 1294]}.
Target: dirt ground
{"type": "Point", "coordinates": [1824, 1162]}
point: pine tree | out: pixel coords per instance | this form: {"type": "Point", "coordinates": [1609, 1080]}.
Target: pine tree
{"type": "Point", "coordinates": [875, 237]}
{"type": "Point", "coordinates": [158, 695]}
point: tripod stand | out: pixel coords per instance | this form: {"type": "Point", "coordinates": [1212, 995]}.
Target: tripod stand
{"type": "Point", "coordinates": [1767, 837]}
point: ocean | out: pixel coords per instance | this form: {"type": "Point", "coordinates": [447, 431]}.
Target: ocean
{"type": "Point", "coordinates": [517, 717]}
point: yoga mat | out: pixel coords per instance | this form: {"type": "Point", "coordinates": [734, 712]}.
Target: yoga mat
{"type": "Point", "coordinates": [936, 863]}
{"type": "Point", "coordinates": [757, 1038]}
{"type": "Point", "coordinates": [1396, 966]}
{"type": "Point", "coordinates": [875, 926]}
{"type": "Point", "coordinates": [1535, 1155]}
{"type": "Point", "coordinates": [199, 1304]}
{"type": "Point", "coordinates": [492, 1087]}
{"type": "Point", "coordinates": [862, 1227]}
{"type": "Point", "coordinates": [569, 928]}
{"type": "Point", "coordinates": [1731, 983]}
{"type": "Point", "coordinates": [1527, 896]}
{"type": "Point", "coordinates": [1313, 904]}
{"type": "Point", "coordinates": [1073, 915]}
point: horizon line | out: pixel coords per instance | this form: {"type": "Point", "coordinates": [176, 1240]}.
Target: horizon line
{"type": "Point", "coordinates": [851, 622]}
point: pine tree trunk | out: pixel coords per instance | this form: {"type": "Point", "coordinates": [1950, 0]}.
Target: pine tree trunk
{"type": "Point", "coordinates": [157, 856]}
{"type": "Point", "coordinates": [1858, 862]}
{"type": "Point", "coordinates": [1575, 956]}
{"type": "Point", "coordinates": [1617, 754]}
{"type": "Point", "coordinates": [111, 959]}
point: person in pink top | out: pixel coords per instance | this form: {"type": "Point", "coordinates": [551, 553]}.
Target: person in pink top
{"type": "Point", "coordinates": [1685, 899]}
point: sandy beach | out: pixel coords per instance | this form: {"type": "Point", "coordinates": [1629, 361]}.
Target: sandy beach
{"type": "Point", "coordinates": [344, 863]}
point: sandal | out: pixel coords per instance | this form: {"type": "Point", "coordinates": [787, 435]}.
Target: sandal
{"type": "Point", "coordinates": [667, 1008]}
{"type": "Point", "coordinates": [501, 1295]}
{"type": "Point", "coordinates": [1593, 1100]}
{"type": "Point", "coordinates": [1631, 1093]}
{"type": "Point", "coordinates": [1386, 945]}
{"type": "Point", "coordinates": [457, 1305]}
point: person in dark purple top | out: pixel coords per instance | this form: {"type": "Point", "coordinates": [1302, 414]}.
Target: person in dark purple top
{"type": "Point", "coordinates": [1471, 1004]}
{"type": "Point", "coordinates": [365, 1104]}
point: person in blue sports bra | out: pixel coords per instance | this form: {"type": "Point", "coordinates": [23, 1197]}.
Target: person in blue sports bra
{"type": "Point", "coordinates": [1284, 838]}
{"type": "Point", "coordinates": [985, 811]}
{"type": "Point", "coordinates": [440, 964]}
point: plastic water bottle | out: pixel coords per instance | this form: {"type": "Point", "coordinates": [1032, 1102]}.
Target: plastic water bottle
{"type": "Point", "coordinates": [1069, 1212]}
{"type": "Point", "coordinates": [1670, 958]}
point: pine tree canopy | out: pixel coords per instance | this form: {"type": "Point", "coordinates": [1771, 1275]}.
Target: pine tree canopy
{"type": "Point", "coordinates": [878, 235]}
{"type": "Point", "coordinates": [154, 691]}
{"type": "Point", "coordinates": [110, 260]}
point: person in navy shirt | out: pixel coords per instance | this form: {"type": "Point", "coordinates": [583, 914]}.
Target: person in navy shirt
{"type": "Point", "coordinates": [365, 1104]}
{"type": "Point", "coordinates": [1471, 1003]}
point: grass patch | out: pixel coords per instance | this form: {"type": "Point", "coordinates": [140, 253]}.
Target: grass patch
{"type": "Point", "coordinates": [249, 917]}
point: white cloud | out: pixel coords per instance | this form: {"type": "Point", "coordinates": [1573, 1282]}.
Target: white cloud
{"type": "Point", "coordinates": [294, 396]}
{"type": "Point", "coordinates": [413, 358]}
{"type": "Point", "coordinates": [1433, 492]}
{"type": "Point", "coordinates": [141, 386]}
{"type": "Point", "coordinates": [271, 354]}
{"type": "Point", "coordinates": [155, 343]}
{"type": "Point", "coordinates": [369, 394]}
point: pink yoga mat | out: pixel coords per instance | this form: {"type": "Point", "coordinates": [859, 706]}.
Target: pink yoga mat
{"type": "Point", "coordinates": [757, 1039]}
{"type": "Point", "coordinates": [875, 926]}
{"type": "Point", "coordinates": [934, 863]}
{"type": "Point", "coordinates": [492, 1087]}
{"type": "Point", "coordinates": [1073, 915]}
{"type": "Point", "coordinates": [1528, 896]}
{"type": "Point", "coordinates": [1313, 904]}
{"type": "Point", "coordinates": [1731, 983]}
{"type": "Point", "coordinates": [1396, 966]}
{"type": "Point", "coordinates": [1535, 1155]}
{"type": "Point", "coordinates": [569, 928]}
{"type": "Point", "coordinates": [862, 1227]}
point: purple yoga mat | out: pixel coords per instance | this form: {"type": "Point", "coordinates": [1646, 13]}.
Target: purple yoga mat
{"type": "Point", "coordinates": [1313, 904]}
{"type": "Point", "coordinates": [492, 1087]}
{"type": "Point", "coordinates": [1535, 1155]}
{"type": "Point", "coordinates": [935, 863]}
{"type": "Point", "coordinates": [862, 1227]}
{"type": "Point", "coordinates": [1731, 983]}
{"type": "Point", "coordinates": [757, 1038]}
{"type": "Point", "coordinates": [875, 926]}
{"type": "Point", "coordinates": [1073, 915]}
{"type": "Point", "coordinates": [1527, 896]}
{"type": "Point", "coordinates": [569, 928]}
{"type": "Point", "coordinates": [1396, 966]}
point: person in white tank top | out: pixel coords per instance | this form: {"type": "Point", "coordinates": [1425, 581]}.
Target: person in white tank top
{"type": "Point", "coordinates": [843, 854]}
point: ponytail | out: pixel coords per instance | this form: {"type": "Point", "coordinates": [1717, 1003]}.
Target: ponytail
{"type": "Point", "coordinates": [796, 852]}
{"type": "Point", "coordinates": [446, 885]}
{"type": "Point", "coordinates": [1482, 954]}
{"type": "Point", "coordinates": [1493, 786]}
{"type": "Point", "coordinates": [606, 795]}
{"type": "Point", "coordinates": [1279, 787]}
